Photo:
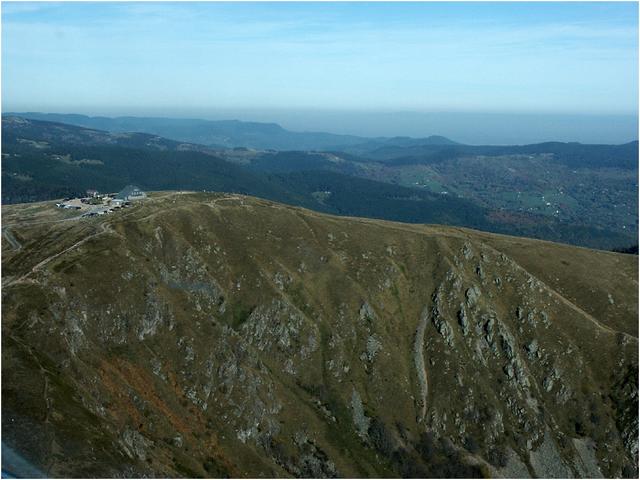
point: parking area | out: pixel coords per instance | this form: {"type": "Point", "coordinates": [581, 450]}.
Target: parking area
{"type": "Point", "coordinates": [94, 205]}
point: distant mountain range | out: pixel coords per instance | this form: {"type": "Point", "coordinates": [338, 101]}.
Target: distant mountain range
{"type": "Point", "coordinates": [233, 133]}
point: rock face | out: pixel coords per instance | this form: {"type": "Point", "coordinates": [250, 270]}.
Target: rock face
{"type": "Point", "coordinates": [219, 335]}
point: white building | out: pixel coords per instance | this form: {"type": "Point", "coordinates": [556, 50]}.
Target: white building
{"type": "Point", "coordinates": [130, 193]}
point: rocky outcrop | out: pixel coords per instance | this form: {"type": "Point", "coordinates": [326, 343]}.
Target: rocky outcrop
{"type": "Point", "coordinates": [472, 294]}
{"type": "Point", "coordinates": [360, 419]}
{"type": "Point", "coordinates": [193, 339]}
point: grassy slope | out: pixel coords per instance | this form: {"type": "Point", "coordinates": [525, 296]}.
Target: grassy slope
{"type": "Point", "coordinates": [209, 334]}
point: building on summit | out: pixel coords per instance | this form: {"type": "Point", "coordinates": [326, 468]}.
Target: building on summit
{"type": "Point", "coordinates": [131, 192]}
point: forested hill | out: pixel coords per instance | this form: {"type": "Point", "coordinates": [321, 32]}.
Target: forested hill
{"type": "Point", "coordinates": [43, 160]}
{"type": "Point", "coordinates": [47, 160]}
{"type": "Point", "coordinates": [574, 155]}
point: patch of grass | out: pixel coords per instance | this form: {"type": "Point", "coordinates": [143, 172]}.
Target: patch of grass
{"type": "Point", "coordinates": [238, 313]}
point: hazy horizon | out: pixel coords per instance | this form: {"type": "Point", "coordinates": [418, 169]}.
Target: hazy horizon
{"type": "Point", "coordinates": [476, 72]}
{"type": "Point", "coordinates": [464, 127]}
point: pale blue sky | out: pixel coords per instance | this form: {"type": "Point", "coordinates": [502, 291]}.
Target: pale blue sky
{"type": "Point", "coordinates": [194, 59]}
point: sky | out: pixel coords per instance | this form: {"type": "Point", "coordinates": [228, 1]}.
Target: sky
{"type": "Point", "coordinates": [362, 68]}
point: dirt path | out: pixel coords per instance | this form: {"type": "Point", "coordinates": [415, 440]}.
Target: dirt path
{"type": "Point", "coordinates": [564, 300]}
{"type": "Point", "coordinates": [11, 239]}
{"type": "Point", "coordinates": [104, 228]}
{"type": "Point", "coordinates": [43, 222]}
{"type": "Point", "coordinates": [589, 317]}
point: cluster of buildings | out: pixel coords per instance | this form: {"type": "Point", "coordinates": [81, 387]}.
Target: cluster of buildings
{"type": "Point", "coordinates": [95, 203]}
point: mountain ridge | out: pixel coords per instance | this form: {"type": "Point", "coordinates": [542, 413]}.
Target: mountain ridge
{"type": "Point", "coordinates": [227, 133]}
{"type": "Point", "coordinates": [220, 334]}
{"type": "Point", "coordinates": [328, 141]}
